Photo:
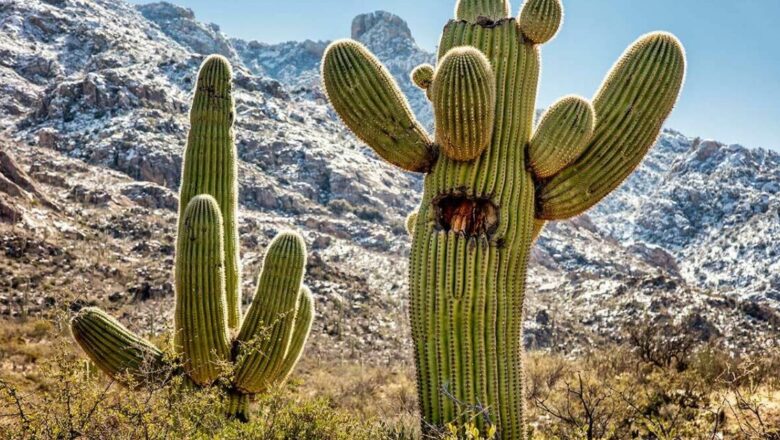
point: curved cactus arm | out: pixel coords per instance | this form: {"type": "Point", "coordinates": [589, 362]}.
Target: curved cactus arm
{"type": "Point", "coordinates": [115, 349]}
{"type": "Point", "coordinates": [634, 101]}
{"type": "Point", "coordinates": [267, 331]}
{"type": "Point", "coordinates": [464, 103]}
{"type": "Point", "coordinates": [369, 102]}
{"type": "Point", "coordinates": [473, 10]}
{"type": "Point", "coordinates": [210, 165]}
{"type": "Point", "coordinates": [562, 136]}
{"type": "Point", "coordinates": [200, 318]}
{"type": "Point", "coordinates": [304, 318]}
{"type": "Point", "coordinates": [540, 20]}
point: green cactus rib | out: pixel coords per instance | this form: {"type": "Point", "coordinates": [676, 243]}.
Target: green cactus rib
{"type": "Point", "coordinates": [304, 318]}
{"type": "Point", "coordinates": [473, 232]}
{"type": "Point", "coordinates": [631, 106]}
{"type": "Point", "coordinates": [268, 328]}
{"type": "Point", "coordinates": [201, 319]}
{"type": "Point", "coordinates": [472, 10]}
{"type": "Point", "coordinates": [540, 19]}
{"type": "Point", "coordinates": [371, 105]}
{"type": "Point", "coordinates": [562, 136]}
{"type": "Point", "coordinates": [464, 103]}
{"type": "Point", "coordinates": [238, 406]}
{"type": "Point", "coordinates": [114, 348]}
{"type": "Point", "coordinates": [210, 165]}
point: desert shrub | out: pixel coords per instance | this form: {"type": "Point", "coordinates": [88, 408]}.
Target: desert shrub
{"type": "Point", "coordinates": [340, 206]}
{"type": "Point", "coordinates": [369, 214]}
{"type": "Point", "coordinates": [614, 393]}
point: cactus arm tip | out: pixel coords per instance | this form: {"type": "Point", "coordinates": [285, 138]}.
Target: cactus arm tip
{"type": "Point", "coordinates": [422, 76]}
{"type": "Point", "coordinates": [562, 135]}
{"type": "Point", "coordinates": [113, 348]}
{"type": "Point", "coordinates": [369, 102]}
{"type": "Point", "coordinates": [464, 80]}
{"type": "Point", "coordinates": [631, 106]}
{"type": "Point", "coordinates": [540, 20]}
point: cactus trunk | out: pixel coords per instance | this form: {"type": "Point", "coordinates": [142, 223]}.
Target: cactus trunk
{"type": "Point", "coordinates": [467, 291]}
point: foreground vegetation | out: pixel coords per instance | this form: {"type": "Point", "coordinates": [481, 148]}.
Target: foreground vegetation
{"type": "Point", "coordinates": [652, 387]}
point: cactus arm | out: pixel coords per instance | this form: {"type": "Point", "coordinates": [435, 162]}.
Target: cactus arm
{"type": "Point", "coordinates": [304, 319]}
{"type": "Point", "coordinates": [540, 20]}
{"type": "Point", "coordinates": [115, 349]}
{"type": "Point", "coordinates": [562, 136]}
{"type": "Point", "coordinates": [369, 102]}
{"type": "Point", "coordinates": [472, 10]}
{"type": "Point", "coordinates": [200, 318]}
{"type": "Point", "coordinates": [267, 331]}
{"type": "Point", "coordinates": [464, 103]}
{"type": "Point", "coordinates": [210, 165]}
{"type": "Point", "coordinates": [422, 76]}
{"type": "Point", "coordinates": [631, 106]}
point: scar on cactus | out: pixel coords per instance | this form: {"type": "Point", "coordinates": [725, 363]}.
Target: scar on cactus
{"type": "Point", "coordinates": [259, 350]}
{"type": "Point", "coordinates": [492, 181]}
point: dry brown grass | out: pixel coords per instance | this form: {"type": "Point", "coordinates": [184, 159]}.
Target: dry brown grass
{"type": "Point", "coordinates": [47, 390]}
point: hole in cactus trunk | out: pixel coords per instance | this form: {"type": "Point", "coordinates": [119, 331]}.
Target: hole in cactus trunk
{"type": "Point", "coordinates": [466, 215]}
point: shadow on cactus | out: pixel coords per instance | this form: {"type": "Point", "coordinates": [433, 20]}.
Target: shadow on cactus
{"type": "Point", "coordinates": [213, 345]}
{"type": "Point", "coordinates": [492, 181]}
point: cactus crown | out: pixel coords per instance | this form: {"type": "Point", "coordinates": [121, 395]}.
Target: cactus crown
{"type": "Point", "coordinates": [210, 338]}
{"type": "Point", "coordinates": [492, 180]}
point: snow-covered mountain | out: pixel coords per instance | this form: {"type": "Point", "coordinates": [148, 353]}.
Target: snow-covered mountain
{"type": "Point", "coordinates": [95, 100]}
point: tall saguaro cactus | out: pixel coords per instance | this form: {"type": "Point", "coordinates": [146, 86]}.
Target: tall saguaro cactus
{"type": "Point", "coordinates": [210, 339]}
{"type": "Point", "coordinates": [492, 181]}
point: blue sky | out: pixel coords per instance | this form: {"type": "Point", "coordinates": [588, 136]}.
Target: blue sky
{"type": "Point", "coordinates": [732, 91]}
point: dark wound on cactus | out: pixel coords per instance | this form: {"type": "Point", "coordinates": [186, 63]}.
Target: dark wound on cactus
{"type": "Point", "coordinates": [478, 218]}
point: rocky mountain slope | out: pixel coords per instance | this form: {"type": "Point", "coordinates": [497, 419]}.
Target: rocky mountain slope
{"type": "Point", "coordinates": [94, 109]}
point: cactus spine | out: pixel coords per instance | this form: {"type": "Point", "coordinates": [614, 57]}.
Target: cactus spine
{"type": "Point", "coordinates": [483, 206]}
{"type": "Point", "coordinates": [207, 277]}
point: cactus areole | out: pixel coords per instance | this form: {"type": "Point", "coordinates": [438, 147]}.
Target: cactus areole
{"type": "Point", "coordinates": [492, 181]}
{"type": "Point", "coordinates": [213, 344]}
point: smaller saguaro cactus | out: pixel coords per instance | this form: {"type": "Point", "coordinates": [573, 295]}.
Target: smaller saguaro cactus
{"type": "Point", "coordinates": [211, 342]}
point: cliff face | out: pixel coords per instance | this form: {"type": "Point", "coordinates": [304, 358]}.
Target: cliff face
{"type": "Point", "coordinates": [95, 101]}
